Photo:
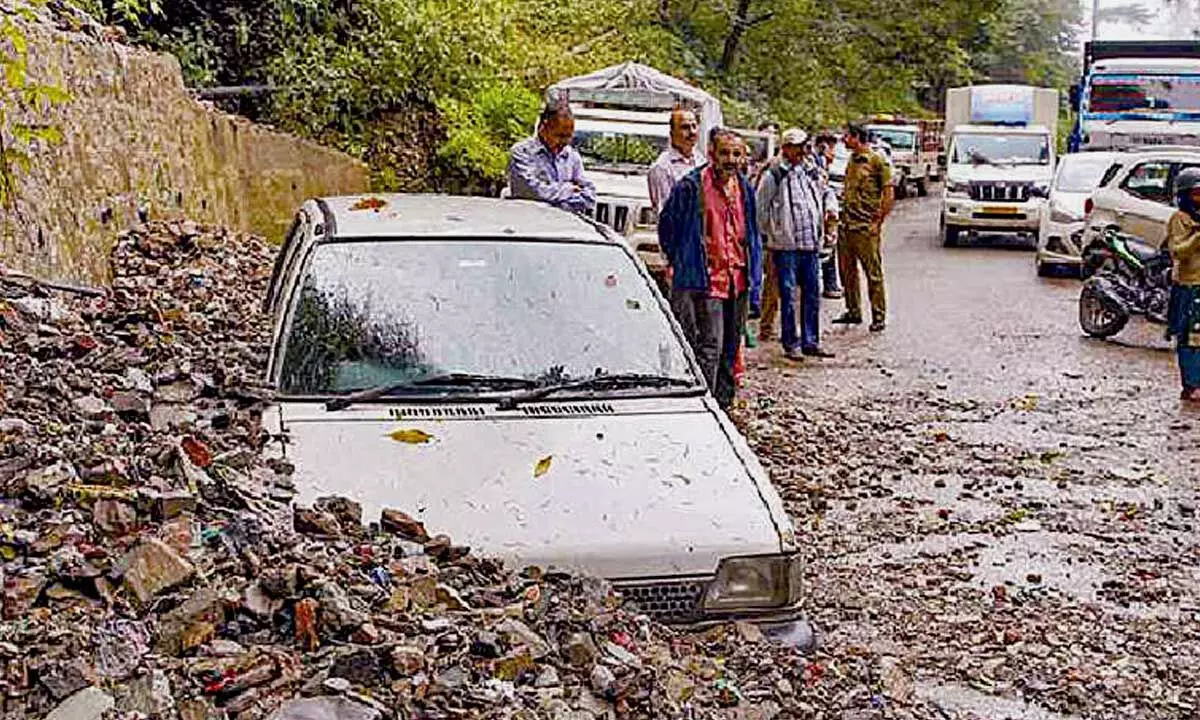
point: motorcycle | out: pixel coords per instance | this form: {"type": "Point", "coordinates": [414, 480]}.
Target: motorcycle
{"type": "Point", "coordinates": [1123, 276]}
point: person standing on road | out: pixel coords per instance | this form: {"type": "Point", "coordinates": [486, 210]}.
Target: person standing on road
{"type": "Point", "coordinates": [677, 160]}
{"type": "Point", "coordinates": [709, 232]}
{"type": "Point", "coordinates": [792, 202]}
{"type": "Point", "coordinates": [547, 168]}
{"type": "Point", "coordinates": [868, 197]}
{"type": "Point", "coordinates": [826, 151]}
{"type": "Point", "coordinates": [1183, 316]}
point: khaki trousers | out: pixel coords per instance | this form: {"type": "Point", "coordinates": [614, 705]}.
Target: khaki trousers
{"type": "Point", "coordinates": [858, 247]}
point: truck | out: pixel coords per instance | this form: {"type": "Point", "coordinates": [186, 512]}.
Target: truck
{"type": "Point", "coordinates": [1000, 156]}
{"type": "Point", "coordinates": [1136, 93]}
{"type": "Point", "coordinates": [915, 146]}
{"type": "Point", "coordinates": [622, 123]}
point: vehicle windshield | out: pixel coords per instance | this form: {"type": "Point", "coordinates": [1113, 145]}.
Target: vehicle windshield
{"type": "Point", "coordinates": [608, 149]}
{"type": "Point", "coordinates": [1081, 172]}
{"type": "Point", "coordinates": [980, 148]}
{"type": "Point", "coordinates": [1144, 94]}
{"type": "Point", "coordinates": [381, 313]}
{"type": "Point", "coordinates": [904, 140]}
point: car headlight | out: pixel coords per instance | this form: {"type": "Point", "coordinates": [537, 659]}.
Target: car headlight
{"type": "Point", "coordinates": [954, 187]}
{"type": "Point", "coordinates": [647, 217]}
{"type": "Point", "coordinates": [762, 581]}
{"type": "Point", "coordinates": [1059, 215]}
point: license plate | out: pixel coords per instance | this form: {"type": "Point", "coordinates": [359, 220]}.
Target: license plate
{"type": "Point", "coordinates": [1000, 210]}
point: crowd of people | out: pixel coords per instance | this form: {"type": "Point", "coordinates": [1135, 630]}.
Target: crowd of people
{"type": "Point", "coordinates": [744, 237]}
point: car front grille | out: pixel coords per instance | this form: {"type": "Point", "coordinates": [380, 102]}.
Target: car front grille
{"type": "Point", "coordinates": [1000, 192]}
{"type": "Point", "coordinates": [668, 602]}
{"type": "Point", "coordinates": [614, 215]}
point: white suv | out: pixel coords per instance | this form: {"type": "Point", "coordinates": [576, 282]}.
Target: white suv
{"type": "Point", "coordinates": [1140, 197]}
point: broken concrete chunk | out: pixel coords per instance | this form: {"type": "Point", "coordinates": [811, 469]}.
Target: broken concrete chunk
{"type": "Point", "coordinates": [151, 567]}
{"type": "Point", "coordinates": [87, 704]}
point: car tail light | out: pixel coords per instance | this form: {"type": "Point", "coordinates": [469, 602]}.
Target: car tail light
{"type": "Point", "coordinates": [1087, 206]}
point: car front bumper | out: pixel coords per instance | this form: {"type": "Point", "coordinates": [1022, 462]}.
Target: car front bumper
{"type": "Point", "coordinates": [1061, 243]}
{"type": "Point", "coordinates": [963, 212]}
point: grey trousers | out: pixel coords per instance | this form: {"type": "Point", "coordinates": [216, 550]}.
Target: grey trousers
{"type": "Point", "coordinates": [714, 328]}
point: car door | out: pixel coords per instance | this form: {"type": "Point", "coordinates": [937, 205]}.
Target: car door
{"type": "Point", "coordinates": [1146, 198]}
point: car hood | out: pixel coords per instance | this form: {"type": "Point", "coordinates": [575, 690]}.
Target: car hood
{"type": "Point", "coordinates": [640, 492]}
{"type": "Point", "coordinates": [1071, 202]}
{"type": "Point", "coordinates": [629, 187]}
{"type": "Point", "coordinates": [992, 173]}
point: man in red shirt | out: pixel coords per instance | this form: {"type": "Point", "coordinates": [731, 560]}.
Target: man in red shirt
{"type": "Point", "coordinates": [709, 232]}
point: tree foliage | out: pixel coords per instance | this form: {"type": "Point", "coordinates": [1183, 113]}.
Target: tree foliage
{"type": "Point", "coordinates": [342, 67]}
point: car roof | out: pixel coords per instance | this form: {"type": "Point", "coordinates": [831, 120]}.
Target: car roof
{"type": "Point", "coordinates": [427, 215]}
{"type": "Point", "coordinates": [1006, 129]}
{"type": "Point", "coordinates": [1160, 153]}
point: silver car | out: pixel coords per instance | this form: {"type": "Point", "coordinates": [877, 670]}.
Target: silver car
{"type": "Point", "coordinates": [1060, 236]}
{"type": "Point", "coordinates": [509, 374]}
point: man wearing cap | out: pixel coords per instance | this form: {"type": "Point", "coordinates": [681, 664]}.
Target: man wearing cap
{"type": "Point", "coordinates": [793, 203]}
{"type": "Point", "coordinates": [547, 168]}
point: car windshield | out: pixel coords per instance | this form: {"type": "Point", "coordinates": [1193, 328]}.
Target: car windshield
{"type": "Point", "coordinates": [391, 312]}
{"type": "Point", "coordinates": [980, 148]}
{"type": "Point", "coordinates": [1081, 172]}
{"type": "Point", "coordinates": [600, 148]}
{"type": "Point", "coordinates": [1144, 94]}
{"type": "Point", "coordinates": [897, 139]}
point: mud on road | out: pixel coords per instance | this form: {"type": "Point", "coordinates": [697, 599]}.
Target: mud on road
{"type": "Point", "coordinates": [999, 513]}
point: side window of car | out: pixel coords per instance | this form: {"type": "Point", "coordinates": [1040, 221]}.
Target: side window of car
{"type": "Point", "coordinates": [1110, 173]}
{"type": "Point", "coordinates": [1150, 181]}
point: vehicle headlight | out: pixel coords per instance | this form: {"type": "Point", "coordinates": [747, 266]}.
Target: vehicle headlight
{"type": "Point", "coordinates": [954, 187]}
{"type": "Point", "coordinates": [762, 581]}
{"type": "Point", "coordinates": [647, 217]}
{"type": "Point", "coordinates": [1060, 215]}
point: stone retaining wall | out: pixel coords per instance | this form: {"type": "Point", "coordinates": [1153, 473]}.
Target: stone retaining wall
{"type": "Point", "coordinates": [133, 138]}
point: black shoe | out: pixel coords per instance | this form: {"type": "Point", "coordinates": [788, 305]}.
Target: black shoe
{"type": "Point", "coordinates": [818, 352]}
{"type": "Point", "coordinates": [878, 326]}
{"type": "Point", "coordinates": [848, 319]}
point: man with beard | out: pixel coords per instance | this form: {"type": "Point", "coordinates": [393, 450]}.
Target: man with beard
{"type": "Point", "coordinates": [708, 230]}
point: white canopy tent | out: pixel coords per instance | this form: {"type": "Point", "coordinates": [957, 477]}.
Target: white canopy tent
{"type": "Point", "coordinates": [632, 85]}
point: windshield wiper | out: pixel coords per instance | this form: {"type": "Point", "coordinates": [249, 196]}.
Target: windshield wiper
{"type": "Point", "coordinates": [450, 380]}
{"type": "Point", "coordinates": [620, 380]}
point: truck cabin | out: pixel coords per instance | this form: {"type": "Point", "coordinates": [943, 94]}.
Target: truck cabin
{"type": "Point", "coordinates": [1137, 82]}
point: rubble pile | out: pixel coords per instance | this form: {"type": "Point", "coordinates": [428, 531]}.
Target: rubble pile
{"type": "Point", "coordinates": [154, 566]}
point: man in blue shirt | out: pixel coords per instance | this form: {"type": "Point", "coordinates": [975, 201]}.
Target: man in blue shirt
{"type": "Point", "coordinates": [547, 168]}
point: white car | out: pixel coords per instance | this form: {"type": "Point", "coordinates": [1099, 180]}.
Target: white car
{"type": "Point", "coordinates": [1060, 236]}
{"type": "Point", "coordinates": [508, 374]}
{"type": "Point", "coordinates": [1139, 196]}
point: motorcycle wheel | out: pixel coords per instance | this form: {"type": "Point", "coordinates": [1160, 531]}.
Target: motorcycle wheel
{"type": "Point", "coordinates": [1098, 318]}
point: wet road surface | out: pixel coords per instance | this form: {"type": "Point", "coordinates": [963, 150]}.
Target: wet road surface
{"type": "Point", "coordinates": [999, 512]}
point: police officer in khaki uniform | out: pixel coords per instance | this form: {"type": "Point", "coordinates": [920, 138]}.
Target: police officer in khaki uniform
{"type": "Point", "coordinates": [867, 198]}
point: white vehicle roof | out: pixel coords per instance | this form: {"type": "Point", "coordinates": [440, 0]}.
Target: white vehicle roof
{"type": "Point", "coordinates": [1151, 66]}
{"type": "Point", "coordinates": [623, 128]}
{"type": "Point", "coordinates": [1000, 130]}
{"type": "Point", "coordinates": [582, 112]}
{"type": "Point", "coordinates": [419, 216]}
{"type": "Point", "coordinates": [1173, 154]}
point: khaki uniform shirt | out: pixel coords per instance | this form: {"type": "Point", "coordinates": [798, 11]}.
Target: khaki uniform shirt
{"type": "Point", "coordinates": [1183, 240]}
{"type": "Point", "coordinates": [867, 176]}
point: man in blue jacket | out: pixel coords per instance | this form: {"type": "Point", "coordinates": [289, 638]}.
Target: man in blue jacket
{"type": "Point", "coordinates": [708, 230]}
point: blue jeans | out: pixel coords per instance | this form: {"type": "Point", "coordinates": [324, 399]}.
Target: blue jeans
{"type": "Point", "coordinates": [802, 268]}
